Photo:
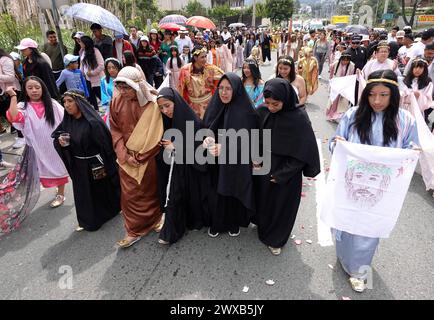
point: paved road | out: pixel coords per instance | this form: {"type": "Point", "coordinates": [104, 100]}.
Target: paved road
{"type": "Point", "coordinates": [34, 259]}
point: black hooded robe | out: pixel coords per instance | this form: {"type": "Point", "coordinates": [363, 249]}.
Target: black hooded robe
{"type": "Point", "coordinates": [232, 183]}
{"type": "Point", "coordinates": [188, 204]}
{"type": "Point", "coordinates": [294, 152]}
{"type": "Point", "coordinates": [96, 201]}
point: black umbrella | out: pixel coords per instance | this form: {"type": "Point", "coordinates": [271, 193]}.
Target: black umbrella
{"type": "Point", "coordinates": [356, 28]}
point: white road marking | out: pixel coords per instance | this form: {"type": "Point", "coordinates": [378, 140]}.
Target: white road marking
{"type": "Point", "coordinates": [324, 232]}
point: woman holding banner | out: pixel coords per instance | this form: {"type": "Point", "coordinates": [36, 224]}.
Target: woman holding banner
{"type": "Point", "coordinates": [377, 121]}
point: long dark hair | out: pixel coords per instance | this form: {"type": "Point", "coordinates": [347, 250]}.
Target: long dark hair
{"type": "Point", "coordinates": [231, 44]}
{"type": "Point", "coordinates": [89, 59]}
{"type": "Point", "coordinates": [3, 53]}
{"type": "Point", "coordinates": [77, 46]}
{"type": "Point", "coordinates": [287, 61]}
{"type": "Point", "coordinates": [130, 59]}
{"type": "Point", "coordinates": [423, 80]}
{"type": "Point", "coordinates": [345, 54]}
{"type": "Point", "coordinates": [189, 52]}
{"type": "Point", "coordinates": [46, 99]}
{"type": "Point", "coordinates": [363, 117]}
{"type": "Point", "coordinates": [254, 70]}
{"type": "Point", "coordinates": [113, 61]}
{"type": "Point", "coordinates": [148, 47]}
{"type": "Point", "coordinates": [178, 58]}
{"type": "Point", "coordinates": [36, 56]}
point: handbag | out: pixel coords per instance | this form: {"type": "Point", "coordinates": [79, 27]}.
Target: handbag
{"type": "Point", "coordinates": [98, 169]}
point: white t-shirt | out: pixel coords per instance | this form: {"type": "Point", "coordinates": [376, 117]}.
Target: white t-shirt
{"type": "Point", "coordinates": [225, 35]}
{"type": "Point", "coordinates": [416, 50]}
{"type": "Point", "coordinates": [119, 46]}
{"type": "Point", "coordinates": [183, 42]}
{"type": "Point", "coordinates": [402, 52]}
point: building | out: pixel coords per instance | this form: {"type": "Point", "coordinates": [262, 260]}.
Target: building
{"type": "Point", "coordinates": [422, 4]}
{"type": "Point", "coordinates": [171, 5]}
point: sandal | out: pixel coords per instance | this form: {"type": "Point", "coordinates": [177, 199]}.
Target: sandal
{"type": "Point", "coordinates": [125, 243]}
{"type": "Point", "coordinates": [159, 225]}
{"type": "Point", "coordinates": [58, 201]}
{"type": "Point", "coordinates": [358, 285]}
{"type": "Point", "coordinates": [275, 251]}
{"type": "Point", "coordinates": [78, 229]}
{"type": "Point", "coordinates": [161, 241]}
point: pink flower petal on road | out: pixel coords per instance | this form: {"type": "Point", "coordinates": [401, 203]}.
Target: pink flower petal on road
{"type": "Point", "coordinates": [346, 298]}
{"type": "Point", "coordinates": [246, 289]}
{"type": "Point", "coordinates": [303, 194]}
{"type": "Point", "coordinates": [309, 241]}
{"type": "Point", "coordinates": [297, 242]}
{"type": "Point", "coordinates": [331, 266]}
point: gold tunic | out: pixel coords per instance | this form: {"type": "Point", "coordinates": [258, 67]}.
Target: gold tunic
{"type": "Point", "coordinates": [308, 69]}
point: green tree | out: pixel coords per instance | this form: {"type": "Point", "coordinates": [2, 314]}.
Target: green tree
{"type": "Point", "coordinates": [279, 10]}
{"type": "Point", "coordinates": [194, 8]}
{"type": "Point", "coordinates": [297, 6]}
{"type": "Point", "coordinates": [218, 13]}
{"type": "Point", "coordinates": [261, 10]}
{"type": "Point", "coordinates": [414, 5]}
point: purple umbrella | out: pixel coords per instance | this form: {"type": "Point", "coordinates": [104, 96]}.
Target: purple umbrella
{"type": "Point", "coordinates": [173, 18]}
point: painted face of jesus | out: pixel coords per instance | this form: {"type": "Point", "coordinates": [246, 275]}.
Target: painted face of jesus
{"type": "Point", "coordinates": [366, 183]}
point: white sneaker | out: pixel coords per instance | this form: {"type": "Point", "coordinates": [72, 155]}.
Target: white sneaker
{"type": "Point", "coordinates": [319, 77]}
{"type": "Point", "coordinates": [19, 143]}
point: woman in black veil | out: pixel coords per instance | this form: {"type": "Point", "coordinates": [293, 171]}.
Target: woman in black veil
{"type": "Point", "coordinates": [186, 197]}
{"type": "Point", "coordinates": [90, 160]}
{"type": "Point", "coordinates": [230, 108]}
{"type": "Point", "coordinates": [294, 152]}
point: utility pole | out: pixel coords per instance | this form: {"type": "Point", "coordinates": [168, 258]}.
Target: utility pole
{"type": "Point", "coordinates": [386, 6]}
{"type": "Point", "coordinates": [56, 22]}
{"type": "Point", "coordinates": [254, 14]}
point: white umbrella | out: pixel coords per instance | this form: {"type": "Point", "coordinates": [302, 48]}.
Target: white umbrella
{"type": "Point", "coordinates": [95, 14]}
{"type": "Point", "coordinates": [237, 24]}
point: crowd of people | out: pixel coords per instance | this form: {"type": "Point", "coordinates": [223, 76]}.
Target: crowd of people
{"type": "Point", "coordinates": [99, 116]}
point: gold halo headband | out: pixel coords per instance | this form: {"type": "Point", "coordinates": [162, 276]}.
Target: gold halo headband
{"type": "Point", "coordinates": [284, 60]}
{"type": "Point", "coordinates": [383, 45]}
{"type": "Point", "coordinates": [74, 94]}
{"type": "Point", "coordinates": [198, 52]}
{"type": "Point", "coordinates": [383, 80]}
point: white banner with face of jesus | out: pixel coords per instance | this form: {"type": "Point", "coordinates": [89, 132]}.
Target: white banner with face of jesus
{"type": "Point", "coordinates": [366, 188]}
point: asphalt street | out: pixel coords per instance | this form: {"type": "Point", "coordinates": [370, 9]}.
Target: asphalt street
{"type": "Point", "coordinates": [36, 258]}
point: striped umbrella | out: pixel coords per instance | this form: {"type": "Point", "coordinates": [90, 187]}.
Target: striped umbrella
{"type": "Point", "coordinates": [173, 18]}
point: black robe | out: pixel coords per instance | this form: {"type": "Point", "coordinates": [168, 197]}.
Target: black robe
{"type": "Point", "coordinates": [188, 204]}
{"type": "Point", "coordinates": [233, 183]}
{"type": "Point", "coordinates": [41, 69]}
{"type": "Point", "coordinates": [294, 152]}
{"type": "Point", "coordinates": [96, 201]}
